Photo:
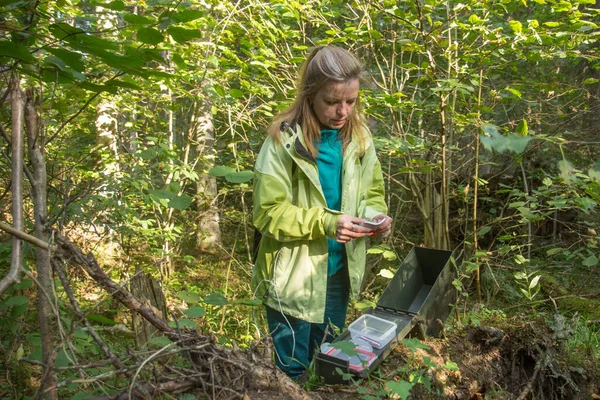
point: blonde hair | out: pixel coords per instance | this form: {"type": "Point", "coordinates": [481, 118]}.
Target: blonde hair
{"type": "Point", "coordinates": [324, 64]}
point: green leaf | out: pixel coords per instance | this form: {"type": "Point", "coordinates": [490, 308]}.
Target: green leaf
{"type": "Point", "coordinates": [451, 366]}
{"type": "Point", "coordinates": [160, 341]}
{"type": "Point", "coordinates": [221, 170]}
{"type": "Point", "coordinates": [389, 255]}
{"type": "Point", "coordinates": [182, 35]}
{"type": "Point", "coordinates": [585, 204]}
{"type": "Point", "coordinates": [15, 301]}
{"type": "Point", "coordinates": [497, 142]}
{"type": "Point", "coordinates": [401, 389]}
{"type": "Point", "coordinates": [18, 310]}
{"type": "Point", "coordinates": [522, 128]}
{"type": "Point", "coordinates": [567, 170]}
{"type": "Point", "coordinates": [195, 312]}
{"type": "Point", "coordinates": [251, 303]}
{"type": "Point", "coordinates": [215, 299]}
{"type": "Point", "coordinates": [179, 61]}
{"type": "Point", "coordinates": [185, 323]}
{"type": "Point", "coordinates": [516, 26]}
{"type": "Point", "coordinates": [180, 202]}
{"type": "Point", "coordinates": [240, 177]}
{"type": "Point", "coordinates": [474, 19]}
{"type": "Point", "coordinates": [591, 261]}
{"type": "Point", "coordinates": [534, 282]}
{"type": "Point", "coordinates": [471, 267]}
{"type": "Point", "coordinates": [73, 60]}
{"type": "Point", "coordinates": [123, 84]}
{"type": "Point", "coordinates": [4, 3]}
{"type": "Point", "coordinates": [386, 273]}
{"type": "Point", "coordinates": [236, 93]}
{"type": "Point", "coordinates": [61, 359]}
{"type": "Point", "coordinates": [24, 284]}
{"type": "Point", "coordinates": [365, 304]}
{"type": "Point", "coordinates": [413, 344]}
{"type": "Point", "coordinates": [375, 250]}
{"type": "Point", "coordinates": [162, 194]}
{"type": "Point", "coordinates": [101, 319]}
{"type": "Point", "coordinates": [346, 347]}
{"type": "Point", "coordinates": [590, 81]}
{"type": "Point", "coordinates": [135, 19]}
{"type": "Point", "coordinates": [483, 230]}
{"type": "Point", "coordinates": [149, 36]}
{"type": "Point", "coordinates": [17, 51]}
{"type": "Point", "coordinates": [65, 31]}
{"type": "Point", "coordinates": [116, 5]}
{"type": "Point", "coordinates": [554, 251]}
{"type": "Point", "coordinates": [187, 16]}
{"type": "Point", "coordinates": [189, 297]}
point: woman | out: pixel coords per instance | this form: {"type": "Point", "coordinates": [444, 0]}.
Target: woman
{"type": "Point", "coordinates": [316, 180]}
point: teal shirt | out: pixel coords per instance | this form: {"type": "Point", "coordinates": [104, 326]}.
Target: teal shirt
{"type": "Point", "coordinates": [329, 163]}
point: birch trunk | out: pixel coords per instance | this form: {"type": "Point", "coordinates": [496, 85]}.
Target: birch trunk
{"type": "Point", "coordinates": [35, 144]}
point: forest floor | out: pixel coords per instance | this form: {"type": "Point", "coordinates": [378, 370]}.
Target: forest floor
{"type": "Point", "coordinates": [512, 360]}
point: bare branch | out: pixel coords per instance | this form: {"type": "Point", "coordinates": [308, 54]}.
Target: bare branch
{"type": "Point", "coordinates": [27, 237]}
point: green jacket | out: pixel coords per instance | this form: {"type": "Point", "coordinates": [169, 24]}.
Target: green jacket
{"type": "Point", "coordinates": [289, 209]}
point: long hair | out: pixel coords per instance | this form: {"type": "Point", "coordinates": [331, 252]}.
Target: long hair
{"type": "Point", "coordinates": [324, 64]}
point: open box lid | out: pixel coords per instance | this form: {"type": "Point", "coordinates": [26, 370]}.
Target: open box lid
{"type": "Point", "coordinates": [411, 285]}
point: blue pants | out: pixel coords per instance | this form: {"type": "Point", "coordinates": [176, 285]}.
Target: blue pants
{"type": "Point", "coordinates": [295, 351]}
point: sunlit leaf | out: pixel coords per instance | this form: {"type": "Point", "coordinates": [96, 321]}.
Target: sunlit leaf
{"type": "Point", "coordinates": [516, 26]}
{"type": "Point", "coordinates": [534, 282]}
{"type": "Point", "coordinates": [511, 142]}
{"type": "Point", "coordinates": [189, 297]}
{"type": "Point", "coordinates": [451, 366]}
{"type": "Point", "coordinates": [413, 344]}
{"type": "Point", "coordinates": [401, 389]}
{"type": "Point", "coordinates": [386, 273]}
{"type": "Point", "coordinates": [567, 170]}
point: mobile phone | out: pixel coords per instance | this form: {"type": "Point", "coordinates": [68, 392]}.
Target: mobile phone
{"type": "Point", "coordinates": [372, 224]}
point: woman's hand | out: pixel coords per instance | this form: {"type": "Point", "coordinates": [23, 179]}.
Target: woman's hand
{"type": "Point", "coordinates": [385, 228]}
{"type": "Point", "coordinates": [348, 228]}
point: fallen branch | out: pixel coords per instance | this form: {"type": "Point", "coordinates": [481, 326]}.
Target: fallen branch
{"type": "Point", "coordinates": [233, 371]}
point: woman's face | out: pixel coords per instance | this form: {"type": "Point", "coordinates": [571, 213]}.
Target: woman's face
{"type": "Point", "coordinates": [334, 102]}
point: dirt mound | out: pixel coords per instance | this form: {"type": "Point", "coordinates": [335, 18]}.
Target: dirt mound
{"type": "Point", "coordinates": [512, 361]}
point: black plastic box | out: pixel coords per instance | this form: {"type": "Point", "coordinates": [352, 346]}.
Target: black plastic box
{"type": "Point", "coordinates": [418, 299]}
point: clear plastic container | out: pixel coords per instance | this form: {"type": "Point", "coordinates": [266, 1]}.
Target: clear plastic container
{"type": "Point", "coordinates": [376, 331]}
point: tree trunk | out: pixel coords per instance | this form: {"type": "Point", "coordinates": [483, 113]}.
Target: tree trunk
{"type": "Point", "coordinates": [14, 274]}
{"type": "Point", "coordinates": [35, 143]}
{"type": "Point", "coordinates": [149, 291]}
{"type": "Point", "coordinates": [208, 231]}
